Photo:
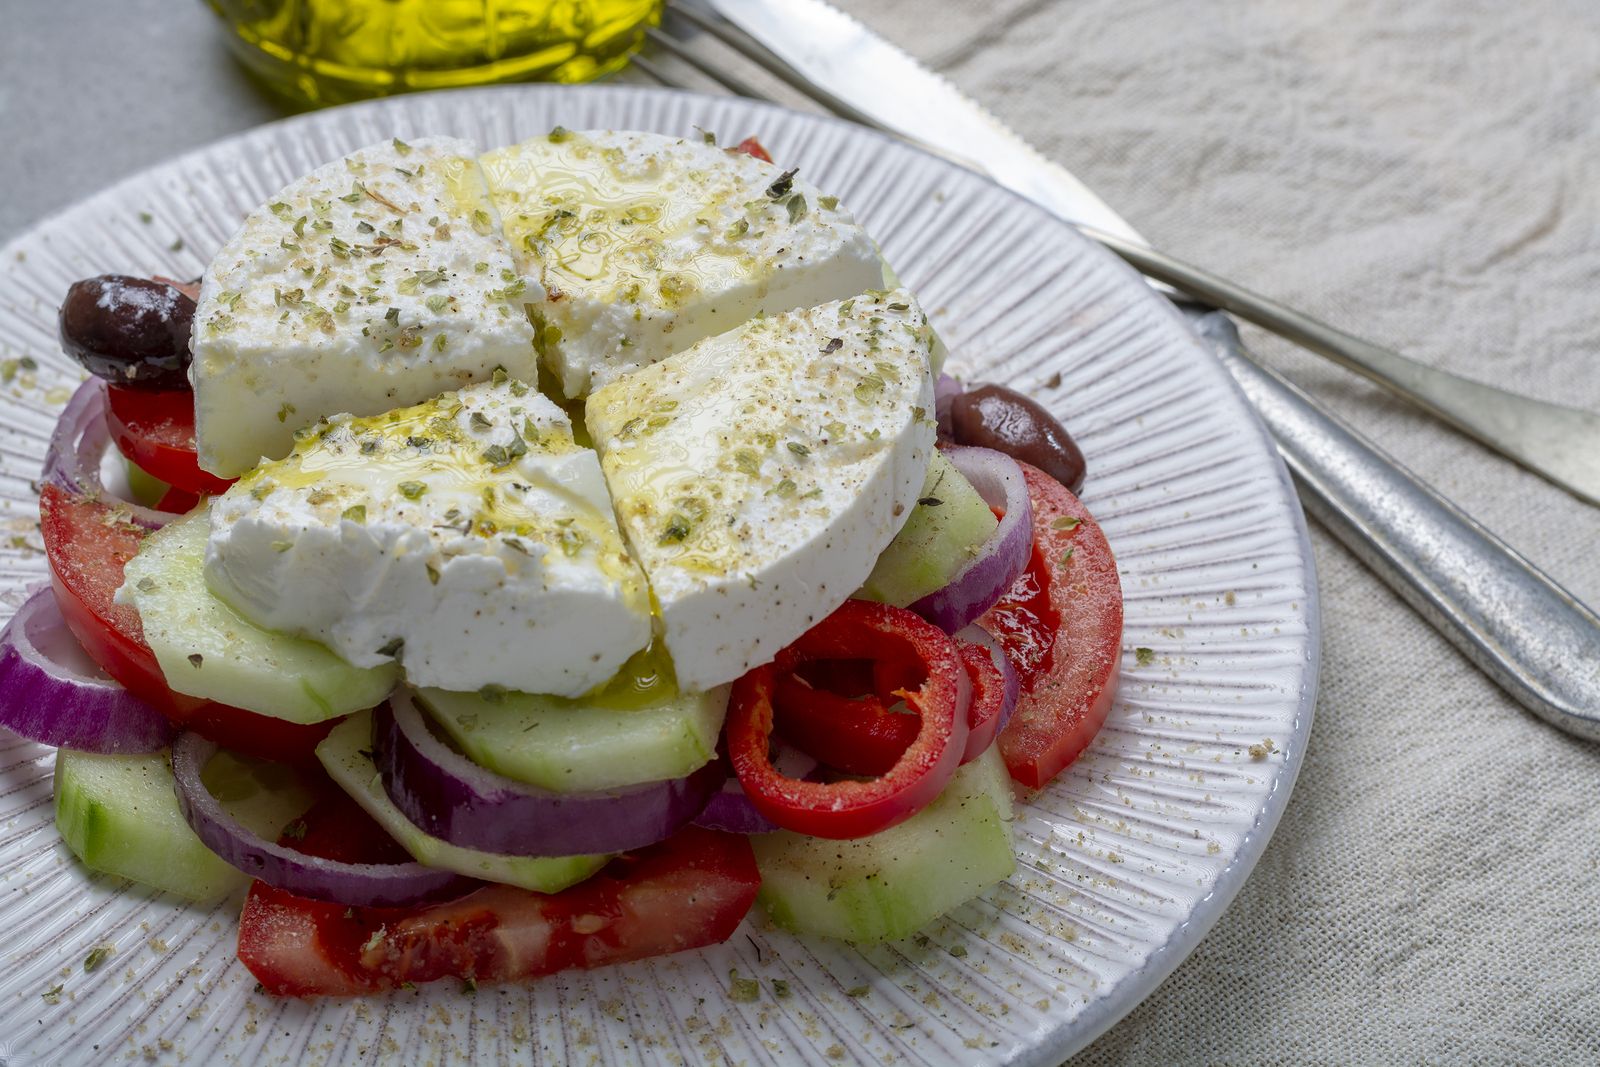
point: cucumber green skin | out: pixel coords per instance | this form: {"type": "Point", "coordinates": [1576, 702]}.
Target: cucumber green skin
{"type": "Point", "coordinates": [120, 815]}
{"type": "Point", "coordinates": [240, 664]}
{"type": "Point", "coordinates": [936, 541]}
{"type": "Point", "coordinates": [145, 487]}
{"type": "Point", "coordinates": [891, 884]}
{"type": "Point", "coordinates": [570, 746]}
{"type": "Point", "coordinates": [341, 754]}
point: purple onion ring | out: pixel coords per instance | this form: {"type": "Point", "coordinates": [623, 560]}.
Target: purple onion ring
{"type": "Point", "coordinates": [450, 797]}
{"type": "Point", "coordinates": [730, 808]}
{"type": "Point", "coordinates": [52, 693]}
{"type": "Point", "coordinates": [977, 635]}
{"type": "Point", "coordinates": [980, 584]}
{"type": "Point", "coordinates": [362, 885]}
{"type": "Point", "coordinates": [77, 447]}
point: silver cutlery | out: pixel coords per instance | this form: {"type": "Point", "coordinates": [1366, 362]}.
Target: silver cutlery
{"type": "Point", "coordinates": [1508, 617]}
{"type": "Point", "coordinates": [1560, 443]}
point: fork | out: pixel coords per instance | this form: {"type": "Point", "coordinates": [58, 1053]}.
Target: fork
{"type": "Point", "coordinates": [1508, 617]}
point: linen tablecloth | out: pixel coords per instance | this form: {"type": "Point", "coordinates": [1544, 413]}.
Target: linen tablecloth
{"type": "Point", "coordinates": [1427, 173]}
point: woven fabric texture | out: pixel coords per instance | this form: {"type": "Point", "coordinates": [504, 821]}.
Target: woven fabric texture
{"type": "Point", "coordinates": [1423, 174]}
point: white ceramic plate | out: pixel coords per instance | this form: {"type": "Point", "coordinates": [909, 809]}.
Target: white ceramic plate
{"type": "Point", "coordinates": [1124, 861]}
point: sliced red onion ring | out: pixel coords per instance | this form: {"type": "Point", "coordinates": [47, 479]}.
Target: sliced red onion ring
{"type": "Point", "coordinates": [78, 446]}
{"type": "Point", "coordinates": [362, 885]}
{"type": "Point", "coordinates": [945, 389]}
{"type": "Point", "coordinates": [52, 692]}
{"type": "Point", "coordinates": [983, 733]}
{"type": "Point", "coordinates": [730, 809]}
{"type": "Point", "coordinates": [978, 635]}
{"type": "Point", "coordinates": [1002, 559]}
{"type": "Point", "coordinates": [452, 798]}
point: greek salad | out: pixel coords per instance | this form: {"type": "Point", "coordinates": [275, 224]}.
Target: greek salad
{"type": "Point", "coordinates": [503, 563]}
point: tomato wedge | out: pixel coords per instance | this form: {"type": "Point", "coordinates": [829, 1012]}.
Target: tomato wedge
{"type": "Point", "coordinates": [752, 147]}
{"type": "Point", "coordinates": [177, 501]}
{"type": "Point", "coordinates": [88, 542]}
{"type": "Point", "coordinates": [940, 701]}
{"type": "Point", "coordinates": [155, 429]}
{"type": "Point", "coordinates": [687, 892]}
{"type": "Point", "coordinates": [1061, 627]}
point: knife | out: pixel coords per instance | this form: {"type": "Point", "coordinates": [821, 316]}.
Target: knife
{"type": "Point", "coordinates": [1538, 641]}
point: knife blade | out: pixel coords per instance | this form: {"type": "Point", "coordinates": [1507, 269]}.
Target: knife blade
{"type": "Point", "coordinates": [1467, 583]}
{"type": "Point", "coordinates": [833, 50]}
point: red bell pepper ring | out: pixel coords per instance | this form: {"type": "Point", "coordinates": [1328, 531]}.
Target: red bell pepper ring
{"type": "Point", "coordinates": [856, 735]}
{"type": "Point", "coordinates": [988, 697]}
{"type": "Point", "coordinates": [861, 734]}
{"type": "Point", "coordinates": [850, 809]}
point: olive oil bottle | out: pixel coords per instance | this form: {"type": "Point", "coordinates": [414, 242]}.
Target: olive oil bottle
{"type": "Point", "coordinates": [331, 51]}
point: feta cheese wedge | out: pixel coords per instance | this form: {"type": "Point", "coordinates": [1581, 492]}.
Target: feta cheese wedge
{"type": "Point", "coordinates": [467, 537]}
{"type": "Point", "coordinates": [637, 245]}
{"type": "Point", "coordinates": [759, 474]}
{"type": "Point", "coordinates": [379, 280]}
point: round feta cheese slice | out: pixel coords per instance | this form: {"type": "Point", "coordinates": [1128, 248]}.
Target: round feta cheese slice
{"type": "Point", "coordinates": [469, 537]}
{"type": "Point", "coordinates": [637, 245]}
{"type": "Point", "coordinates": [759, 474]}
{"type": "Point", "coordinates": [379, 280]}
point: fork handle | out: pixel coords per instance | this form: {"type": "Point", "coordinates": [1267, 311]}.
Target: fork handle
{"type": "Point", "coordinates": [1548, 439]}
{"type": "Point", "coordinates": [1507, 616]}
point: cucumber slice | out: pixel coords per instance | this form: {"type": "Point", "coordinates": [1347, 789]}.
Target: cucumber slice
{"type": "Point", "coordinates": [119, 814]}
{"type": "Point", "coordinates": [936, 541]}
{"type": "Point", "coordinates": [144, 487]}
{"type": "Point", "coordinates": [887, 886]}
{"type": "Point", "coordinates": [264, 796]}
{"type": "Point", "coordinates": [208, 650]}
{"type": "Point", "coordinates": [605, 741]}
{"type": "Point", "coordinates": [345, 754]}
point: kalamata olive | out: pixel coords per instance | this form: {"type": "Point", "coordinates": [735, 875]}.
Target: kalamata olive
{"type": "Point", "coordinates": [992, 416]}
{"type": "Point", "coordinates": [129, 331]}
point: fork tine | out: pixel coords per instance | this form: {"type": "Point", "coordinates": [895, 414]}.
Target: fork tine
{"type": "Point", "coordinates": [763, 57]}
{"type": "Point", "coordinates": [734, 84]}
{"type": "Point", "coordinates": [643, 65]}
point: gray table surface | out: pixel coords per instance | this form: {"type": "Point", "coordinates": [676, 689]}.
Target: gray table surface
{"type": "Point", "coordinates": [1425, 172]}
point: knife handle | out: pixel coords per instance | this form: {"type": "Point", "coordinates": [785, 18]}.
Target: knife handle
{"type": "Point", "coordinates": [1507, 616]}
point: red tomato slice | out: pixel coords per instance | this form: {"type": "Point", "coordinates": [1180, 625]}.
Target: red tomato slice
{"type": "Point", "coordinates": [177, 501]}
{"type": "Point", "coordinates": [88, 543]}
{"type": "Point", "coordinates": [752, 147]}
{"type": "Point", "coordinates": [155, 429]}
{"type": "Point", "coordinates": [1061, 627]}
{"type": "Point", "coordinates": [689, 891]}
